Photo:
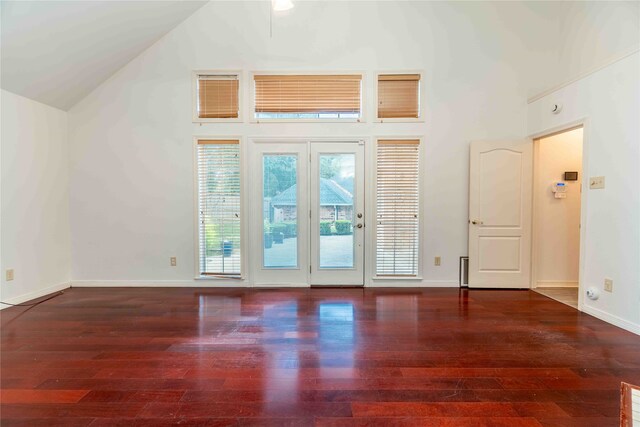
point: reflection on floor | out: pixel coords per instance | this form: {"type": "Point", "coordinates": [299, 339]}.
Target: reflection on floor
{"type": "Point", "coordinates": [311, 357]}
{"type": "Point", "coordinates": [567, 296]}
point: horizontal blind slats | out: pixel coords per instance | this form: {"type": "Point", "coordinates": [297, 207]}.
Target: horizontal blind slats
{"type": "Point", "coordinates": [219, 206]}
{"type": "Point", "coordinates": [398, 96]}
{"type": "Point", "coordinates": [218, 97]}
{"type": "Point", "coordinates": [397, 208]}
{"type": "Point", "coordinates": [307, 93]}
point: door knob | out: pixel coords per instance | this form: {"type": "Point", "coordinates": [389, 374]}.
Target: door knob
{"type": "Point", "coordinates": [476, 222]}
{"type": "Point", "coordinates": [359, 225]}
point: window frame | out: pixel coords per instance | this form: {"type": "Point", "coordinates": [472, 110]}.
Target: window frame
{"type": "Point", "coordinates": [244, 244]}
{"type": "Point", "coordinates": [421, 99]}
{"type": "Point", "coordinates": [194, 95]}
{"type": "Point", "coordinates": [421, 212]}
{"type": "Point", "coordinates": [252, 94]}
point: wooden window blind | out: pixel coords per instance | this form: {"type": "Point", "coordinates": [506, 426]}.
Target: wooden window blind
{"type": "Point", "coordinates": [218, 96]}
{"type": "Point", "coordinates": [310, 94]}
{"type": "Point", "coordinates": [219, 206]}
{"type": "Point", "coordinates": [398, 96]}
{"type": "Point", "coordinates": [397, 207]}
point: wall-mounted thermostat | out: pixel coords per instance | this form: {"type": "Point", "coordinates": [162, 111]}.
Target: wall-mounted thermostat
{"type": "Point", "coordinates": [559, 190]}
{"type": "Point", "coordinates": [571, 176]}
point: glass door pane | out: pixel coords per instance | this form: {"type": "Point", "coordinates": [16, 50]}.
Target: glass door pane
{"type": "Point", "coordinates": [336, 193]}
{"type": "Point", "coordinates": [337, 213]}
{"type": "Point", "coordinates": [280, 210]}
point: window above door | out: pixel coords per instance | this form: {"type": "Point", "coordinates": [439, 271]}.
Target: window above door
{"type": "Point", "coordinates": [307, 97]}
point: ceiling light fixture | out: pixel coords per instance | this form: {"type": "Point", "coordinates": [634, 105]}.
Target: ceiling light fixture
{"type": "Point", "coordinates": [281, 5]}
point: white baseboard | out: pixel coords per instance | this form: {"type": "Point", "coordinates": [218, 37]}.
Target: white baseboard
{"type": "Point", "coordinates": [35, 294]}
{"type": "Point", "coordinates": [614, 320]}
{"type": "Point", "coordinates": [194, 283]}
{"type": "Point", "coordinates": [556, 284]}
{"type": "Point", "coordinates": [279, 285]}
{"type": "Point", "coordinates": [404, 283]}
{"type": "Point", "coordinates": [221, 283]}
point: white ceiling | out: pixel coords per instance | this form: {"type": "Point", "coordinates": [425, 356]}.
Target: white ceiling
{"type": "Point", "coordinates": [57, 52]}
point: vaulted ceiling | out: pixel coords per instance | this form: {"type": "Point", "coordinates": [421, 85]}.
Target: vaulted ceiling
{"type": "Point", "coordinates": [57, 52]}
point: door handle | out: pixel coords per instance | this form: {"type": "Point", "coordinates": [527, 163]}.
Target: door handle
{"type": "Point", "coordinates": [359, 225]}
{"type": "Point", "coordinates": [476, 222]}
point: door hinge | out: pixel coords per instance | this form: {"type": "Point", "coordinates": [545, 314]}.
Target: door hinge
{"type": "Point", "coordinates": [309, 214]}
{"type": "Point", "coordinates": [309, 269]}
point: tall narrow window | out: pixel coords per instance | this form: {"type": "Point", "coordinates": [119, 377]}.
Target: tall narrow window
{"type": "Point", "coordinates": [219, 206]}
{"type": "Point", "coordinates": [308, 96]}
{"type": "Point", "coordinates": [399, 96]}
{"type": "Point", "coordinates": [217, 96]}
{"type": "Point", "coordinates": [397, 207]}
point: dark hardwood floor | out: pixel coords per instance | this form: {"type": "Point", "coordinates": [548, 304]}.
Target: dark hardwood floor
{"type": "Point", "coordinates": [325, 357]}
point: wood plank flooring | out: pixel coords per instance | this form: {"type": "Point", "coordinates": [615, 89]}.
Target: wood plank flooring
{"type": "Point", "coordinates": [304, 357]}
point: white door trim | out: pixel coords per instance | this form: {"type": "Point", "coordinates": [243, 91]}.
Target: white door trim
{"type": "Point", "coordinates": [584, 198]}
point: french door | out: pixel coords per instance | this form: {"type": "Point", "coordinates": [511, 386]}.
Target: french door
{"type": "Point", "coordinates": [307, 213]}
{"type": "Point", "coordinates": [337, 213]}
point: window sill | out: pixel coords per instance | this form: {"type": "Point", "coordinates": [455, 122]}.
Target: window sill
{"type": "Point", "coordinates": [218, 278]}
{"type": "Point", "coordinates": [261, 121]}
{"type": "Point", "coordinates": [400, 120]}
{"type": "Point", "coordinates": [204, 121]}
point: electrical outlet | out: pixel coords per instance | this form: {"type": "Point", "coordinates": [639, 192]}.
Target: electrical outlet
{"type": "Point", "coordinates": [436, 261]}
{"type": "Point", "coordinates": [174, 261]}
{"type": "Point", "coordinates": [608, 285]}
{"type": "Point", "coordinates": [596, 182]}
{"type": "Point", "coordinates": [9, 275]}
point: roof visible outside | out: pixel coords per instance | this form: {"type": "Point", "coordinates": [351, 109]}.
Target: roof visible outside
{"type": "Point", "coordinates": [331, 194]}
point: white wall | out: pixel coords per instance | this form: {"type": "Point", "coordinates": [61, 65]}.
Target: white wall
{"type": "Point", "coordinates": [557, 228]}
{"type": "Point", "coordinates": [592, 33]}
{"type": "Point", "coordinates": [132, 201]}
{"type": "Point", "coordinates": [609, 100]}
{"type": "Point", "coordinates": [35, 199]}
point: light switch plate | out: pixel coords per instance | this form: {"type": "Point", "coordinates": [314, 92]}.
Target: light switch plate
{"type": "Point", "coordinates": [9, 275]}
{"type": "Point", "coordinates": [437, 260]}
{"type": "Point", "coordinates": [608, 285]}
{"type": "Point", "coordinates": [596, 182]}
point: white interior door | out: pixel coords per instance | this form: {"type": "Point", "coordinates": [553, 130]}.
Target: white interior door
{"type": "Point", "coordinates": [500, 191]}
{"type": "Point", "coordinates": [337, 213]}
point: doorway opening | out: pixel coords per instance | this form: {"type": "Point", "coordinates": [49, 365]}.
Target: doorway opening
{"type": "Point", "coordinates": [557, 198]}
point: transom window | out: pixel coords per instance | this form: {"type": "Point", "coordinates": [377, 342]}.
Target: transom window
{"type": "Point", "coordinates": [398, 96]}
{"type": "Point", "coordinates": [217, 97]}
{"type": "Point", "coordinates": [308, 96]}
